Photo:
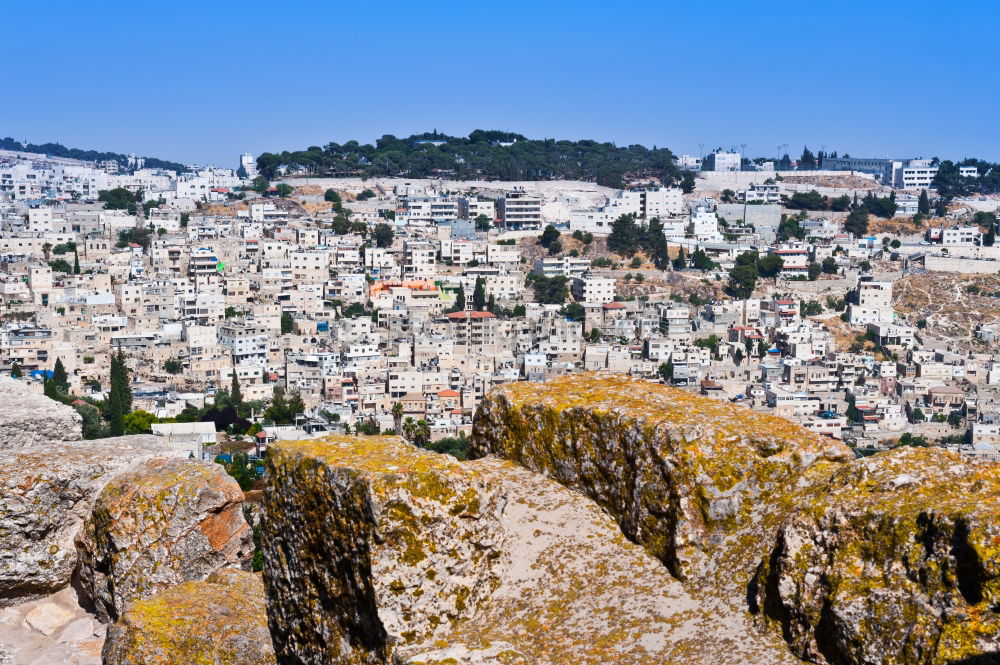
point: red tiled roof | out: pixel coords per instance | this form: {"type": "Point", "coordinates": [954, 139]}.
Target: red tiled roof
{"type": "Point", "coordinates": [448, 393]}
{"type": "Point", "coordinates": [474, 315]}
{"type": "Point", "coordinates": [614, 305]}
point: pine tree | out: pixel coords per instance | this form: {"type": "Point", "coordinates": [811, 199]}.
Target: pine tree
{"type": "Point", "coordinates": [459, 300]}
{"type": "Point", "coordinates": [679, 262]}
{"type": "Point", "coordinates": [924, 203]}
{"type": "Point", "coordinates": [119, 401]}
{"type": "Point", "coordinates": [479, 295]}
{"type": "Point", "coordinates": [235, 394]}
{"type": "Point", "coordinates": [491, 305]}
{"type": "Point", "coordinates": [60, 379]}
{"type": "Point", "coordinates": [15, 371]}
{"type": "Point", "coordinates": [76, 263]}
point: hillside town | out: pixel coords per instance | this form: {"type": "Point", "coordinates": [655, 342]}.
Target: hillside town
{"type": "Point", "coordinates": [852, 296]}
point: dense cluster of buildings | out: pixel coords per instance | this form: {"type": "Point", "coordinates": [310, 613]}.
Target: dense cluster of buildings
{"type": "Point", "coordinates": [218, 280]}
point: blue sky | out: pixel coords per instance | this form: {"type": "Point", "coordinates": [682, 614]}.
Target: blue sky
{"type": "Point", "coordinates": [204, 81]}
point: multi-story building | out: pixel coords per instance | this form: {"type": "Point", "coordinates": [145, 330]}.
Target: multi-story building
{"type": "Point", "coordinates": [521, 211]}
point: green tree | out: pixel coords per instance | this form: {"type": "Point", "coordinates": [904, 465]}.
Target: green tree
{"type": "Point", "coordinates": [47, 251]}
{"type": "Point", "coordinates": [814, 271]}
{"type": "Point", "coordinates": [241, 468]}
{"type": "Point", "coordinates": [60, 379]}
{"type": "Point", "coordinates": [235, 394]}
{"type": "Point", "coordinates": [679, 263]}
{"type": "Point", "coordinates": [76, 263]}
{"type": "Point", "coordinates": [459, 305]}
{"type": "Point", "coordinates": [924, 203]}
{"type": "Point", "coordinates": [479, 295]}
{"type": "Point", "coordinates": [549, 236]}
{"type": "Point", "coordinates": [829, 265]}
{"type": "Point", "coordinates": [666, 371]}
{"type": "Point", "coordinates": [138, 421]}
{"type": "Point", "coordinates": [119, 401]}
{"type": "Point", "coordinates": [770, 267]}
{"type": "Point", "coordinates": [811, 200]}
{"type": "Point", "coordinates": [687, 182]}
{"type": "Point", "coordinates": [397, 418]}
{"type": "Point", "coordinates": [384, 235]}
{"type": "Point", "coordinates": [807, 161]}
{"type": "Point", "coordinates": [366, 194]}
{"type": "Point", "coordinates": [331, 196]}
{"type": "Point", "coordinates": [15, 371]}
{"type": "Point", "coordinates": [61, 265]}
{"type": "Point", "coordinates": [284, 190]}
{"type": "Point", "coordinates": [549, 290]}
{"type": "Point", "coordinates": [483, 223]}
{"type": "Point", "coordinates": [173, 366]}
{"type": "Point", "coordinates": [625, 235]}
{"type": "Point", "coordinates": [742, 281]}
{"type": "Point", "coordinates": [857, 222]}
{"type": "Point", "coordinates": [118, 199]}
{"type": "Point", "coordinates": [700, 260]}
{"type": "Point", "coordinates": [260, 184]}
{"type": "Point", "coordinates": [286, 323]}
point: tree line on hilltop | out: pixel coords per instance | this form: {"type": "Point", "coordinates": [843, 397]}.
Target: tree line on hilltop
{"type": "Point", "coordinates": [59, 150]}
{"type": "Point", "coordinates": [491, 155]}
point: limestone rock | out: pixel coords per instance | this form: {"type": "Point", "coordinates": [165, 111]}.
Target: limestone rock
{"type": "Point", "coordinates": [46, 493]}
{"type": "Point", "coordinates": [162, 522]}
{"type": "Point", "coordinates": [217, 620]}
{"type": "Point", "coordinates": [896, 559]}
{"type": "Point", "coordinates": [31, 418]}
{"type": "Point", "coordinates": [53, 630]}
{"type": "Point", "coordinates": [378, 552]}
{"type": "Point", "coordinates": [687, 477]}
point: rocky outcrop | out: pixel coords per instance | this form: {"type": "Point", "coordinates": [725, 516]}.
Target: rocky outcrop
{"type": "Point", "coordinates": [157, 524]}
{"type": "Point", "coordinates": [689, 478]}
{"type": "Point", "coordinates": [50, 630]}
{"type": "Point", "coordinates": [378, 552]}
{"type": "Point", "coordinates": [218, 620]}
{"type": "Point", "coordinates": [895, 559]}
{"type": "Point", "coordinates": [31, 418]}
{"type": "Point", "coordinates": [46, 493]}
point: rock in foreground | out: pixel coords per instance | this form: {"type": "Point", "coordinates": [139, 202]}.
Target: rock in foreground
{"type": "Point", "coordinates": [896, 559]}
{"type": "Point", "coordinates": [219, 620]}
{"type": "Point", "coordinates": [162, 522]}
{"type": "Point", "coordinates": [376, 550]}
{"type": "Point", "coordinates": [31, 419]}
{"type": "Point", "coordinates": [685, 476]}
{"type": "Point", "coordinates": [46, 493]}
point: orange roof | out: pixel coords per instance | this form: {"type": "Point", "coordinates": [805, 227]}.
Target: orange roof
{"type": "Point", "coordinates": [614, 305]}
{"type": "Point", "coordinates": [448, 393]}
{"type": "Point", "coordinates": [474, 315]}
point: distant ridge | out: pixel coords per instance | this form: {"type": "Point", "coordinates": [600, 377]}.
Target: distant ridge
{"type": "Point", "coordinates": [59, 150]}
{"type": "Point", "coordinates": [484, 154]}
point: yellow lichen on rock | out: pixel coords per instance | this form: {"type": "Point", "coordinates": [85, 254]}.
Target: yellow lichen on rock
{"type": "Point", "coordinates": [218, 621]}
{"type": "Point", "coordinates": [684, 475]}
{"type": "Point", "coordinates": [895, 558]}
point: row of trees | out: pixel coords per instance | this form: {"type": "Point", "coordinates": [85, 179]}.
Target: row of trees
{"type": "Point", "coordinates": [482, 154]}
{"type": "Point", "coordinates": [59, 150]}
{"type": "Point", "coordinates": [628, 236]}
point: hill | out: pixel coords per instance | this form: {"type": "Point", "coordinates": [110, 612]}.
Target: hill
{"type": "Point", "coordinates": [481, 155]}
{"type": "Point", "coordinates": [59, 150]}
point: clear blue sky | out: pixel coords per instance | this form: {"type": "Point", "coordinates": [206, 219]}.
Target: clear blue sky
{"type": "Point", "coordinates": [204, 81]}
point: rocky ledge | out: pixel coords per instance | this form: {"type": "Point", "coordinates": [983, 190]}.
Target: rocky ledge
{"type": "Point", "coordinates": [895, 559]}
{"type": "Point", "coordinates": [378, 552]}
{"type": "Point", "coordinates": [688, 478]}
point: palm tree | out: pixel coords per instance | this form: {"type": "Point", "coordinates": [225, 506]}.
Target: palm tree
{"type": "Point", "coordinates": [47, 250]}
{"type": "Point", "coordinates": [423, 433]}
{"type": "Point", "coordinates": [410, 429]}
{"type": "Point", "coordinates": [397, 418]}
